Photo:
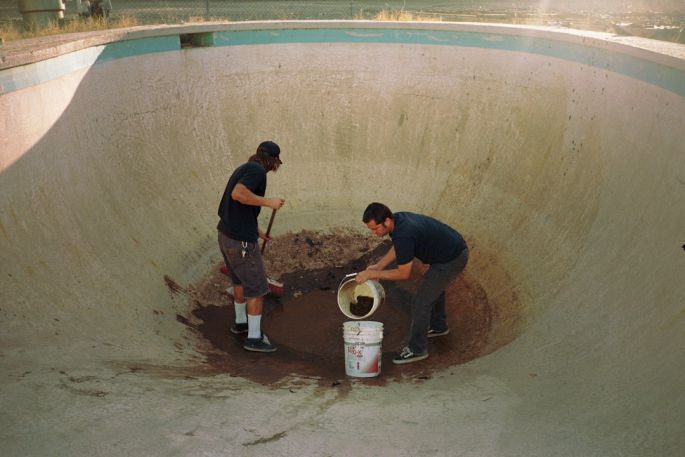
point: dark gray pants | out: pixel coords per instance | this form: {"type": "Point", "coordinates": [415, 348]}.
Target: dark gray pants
{"type": "Point", "coordinates": [428, 305]}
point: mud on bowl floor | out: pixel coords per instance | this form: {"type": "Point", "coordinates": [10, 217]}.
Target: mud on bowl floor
{"type": "Point", "coordinates": [305, 322]}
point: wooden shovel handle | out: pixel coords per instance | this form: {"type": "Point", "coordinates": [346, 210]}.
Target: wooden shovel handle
{"type": "Point", "coordinates": [268, 229]}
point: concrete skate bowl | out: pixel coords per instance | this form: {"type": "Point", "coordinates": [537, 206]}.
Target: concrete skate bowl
{"type": "Point", "coordinates": [558, 155]}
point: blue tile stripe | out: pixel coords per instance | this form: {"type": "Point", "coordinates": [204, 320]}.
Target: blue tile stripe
{"type": "Point", "coordinates": [660, 75]}
{"type": "Point", "coordinates": [131, 48]}
{"type": "Point", "coordinates": [666, 77]}
{"type": "Point", "coordinates": [33, 74]}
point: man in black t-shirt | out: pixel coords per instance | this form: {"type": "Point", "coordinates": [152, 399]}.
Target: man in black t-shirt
{"type": "Point", "coordinates": [433, 243]}
{"type": "Point", "coordinates": [238, 241]}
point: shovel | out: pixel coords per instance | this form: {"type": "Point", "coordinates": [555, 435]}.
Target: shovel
{"type": "Point", "coordinates": [268, 228]}
{"type": "Point", "coordinates": [275, 288]}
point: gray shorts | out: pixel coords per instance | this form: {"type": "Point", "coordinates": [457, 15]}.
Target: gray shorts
{"type": "Point", "coordinates": [247, 271]}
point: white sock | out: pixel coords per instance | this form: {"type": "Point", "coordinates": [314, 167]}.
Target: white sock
{"type": "Point", "coordinates": [254, 330]}
{"type": "Point", "coordinates": [240, 312]}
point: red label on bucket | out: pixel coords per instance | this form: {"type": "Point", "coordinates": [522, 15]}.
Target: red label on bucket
{"type": "Point", "coordinates": [362, 360]}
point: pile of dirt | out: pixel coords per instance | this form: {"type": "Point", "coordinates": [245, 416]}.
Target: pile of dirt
{"type": "Point", "coordinates": [305, 322]}
{"type": "Point", "coordinates": [310, 250]}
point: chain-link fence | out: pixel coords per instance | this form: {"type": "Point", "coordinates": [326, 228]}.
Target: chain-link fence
{"type": "Point", "coordinates": [599, 15]}
{"type": "Point", "coordinates": [263, 10]}
{"type": "Point", "coordinates": [165, 11]}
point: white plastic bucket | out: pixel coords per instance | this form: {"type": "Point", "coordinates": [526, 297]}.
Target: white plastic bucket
{"type": "Point", "coordinates": [349, 292]}
{"type": "Point", "coordinates": [363, 343]}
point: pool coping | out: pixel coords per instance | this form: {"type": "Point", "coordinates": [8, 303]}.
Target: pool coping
{"type": "Point", "coordinates": [23, 52]}
{"type": "Point", "coordinates": [16, 58]}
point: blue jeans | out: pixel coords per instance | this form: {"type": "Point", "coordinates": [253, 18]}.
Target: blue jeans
{"type": "Point", "coordinates": [428, 305]}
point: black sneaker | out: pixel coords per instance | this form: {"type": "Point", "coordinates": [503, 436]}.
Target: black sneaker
{"type": "Point", "coordinates": [237, 329]}
{"type": "Point", "coordinates": [258, 344]}
{"type": "Point", "coordinates": [406, 355]}
{"type": "Point", "coordinates": [432, 333]}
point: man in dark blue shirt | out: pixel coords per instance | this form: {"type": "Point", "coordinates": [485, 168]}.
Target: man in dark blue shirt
{"type": "Point", "coordinates": [238, 241]}
{"type": "Point", "coordinates": [433, 243]}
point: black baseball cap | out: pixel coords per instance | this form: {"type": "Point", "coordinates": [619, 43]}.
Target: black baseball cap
{"type": "Point", "coordinates": [269, 148]}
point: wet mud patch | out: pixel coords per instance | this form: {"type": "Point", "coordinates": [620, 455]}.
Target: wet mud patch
{"type": "Point", "coordinates": [305, 322]}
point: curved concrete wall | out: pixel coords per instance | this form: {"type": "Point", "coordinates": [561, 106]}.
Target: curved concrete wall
{"type": "Point", "coordinates": [559, 154]}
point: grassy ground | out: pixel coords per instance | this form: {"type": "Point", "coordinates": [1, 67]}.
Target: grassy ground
{"type": "Point", "coordinates": [11, 31]}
